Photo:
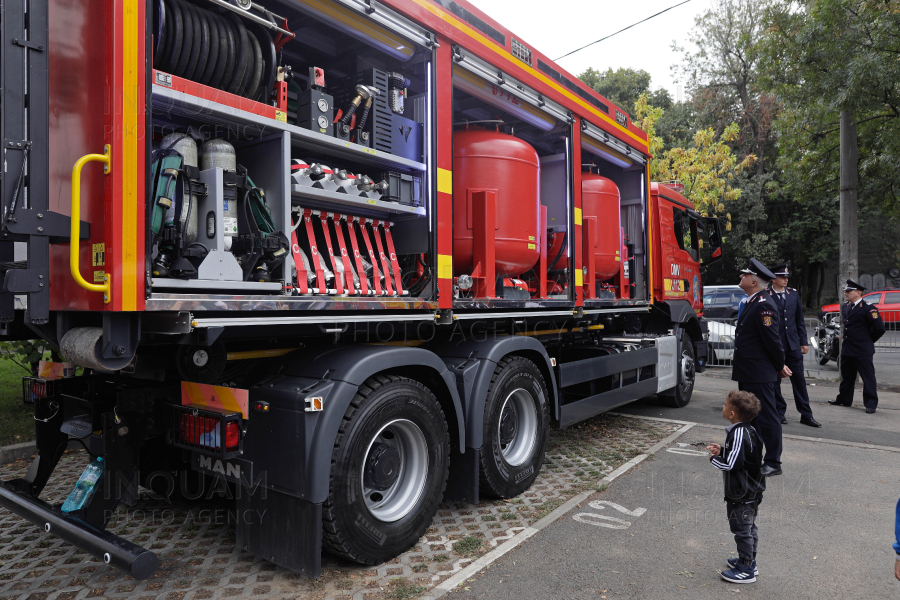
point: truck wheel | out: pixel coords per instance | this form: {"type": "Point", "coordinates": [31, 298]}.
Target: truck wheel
{"type": "Point", "coordinates": [389, 468]}
{"type": "Point", "coordinates": [685, 386]}
{"type": "Point", "coordinates": [516, 427]}
{"type": "Point", "coordinates": [823, 359]}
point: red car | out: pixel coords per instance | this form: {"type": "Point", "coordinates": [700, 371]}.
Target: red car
{"type": "Point", "coordinates": [886, 301]}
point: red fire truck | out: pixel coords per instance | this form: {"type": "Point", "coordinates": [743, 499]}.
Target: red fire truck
{"type": "Point", "coordinates": [349, 257]}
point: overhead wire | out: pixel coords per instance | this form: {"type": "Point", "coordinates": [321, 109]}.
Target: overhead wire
{"type": "Point", "coordinates": [621, 30]}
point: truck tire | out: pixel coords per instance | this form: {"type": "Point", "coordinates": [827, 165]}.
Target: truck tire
{"type": "Point", "coordinates": [389, 469]}
{"type": "Point", "coordinates": [686, 373]}
{"type": "Point", "coordinates": [516, 428]}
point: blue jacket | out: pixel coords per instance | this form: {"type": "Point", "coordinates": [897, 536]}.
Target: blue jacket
{"type": "Point", "coordinates": [793, 329]}
{"type": "Point", "coordinates": [897, 531]}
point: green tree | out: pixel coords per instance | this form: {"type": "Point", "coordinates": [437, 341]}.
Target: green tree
{"type": "Point", "coordinates": [623, 87]}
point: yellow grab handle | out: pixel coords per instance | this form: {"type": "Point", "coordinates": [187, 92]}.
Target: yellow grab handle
{"type": "Point", "coordinates": [75, 231]}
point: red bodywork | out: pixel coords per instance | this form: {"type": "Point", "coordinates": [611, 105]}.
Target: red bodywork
{"type": "Point", "coordinates": [675, 258]}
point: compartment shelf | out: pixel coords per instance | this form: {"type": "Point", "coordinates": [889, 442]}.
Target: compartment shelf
{"type": "Point", "coordinates": [325, 200]}
{"type": "Point", "coordinates": [167, 101]}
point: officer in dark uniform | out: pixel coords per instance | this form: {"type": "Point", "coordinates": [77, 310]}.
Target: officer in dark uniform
{"type": "Point", "coordinates": [861, 327]}
{"type": "Point", "coordinates": [793, 338]}
{"type": "Point", "coordinates": [759, 359]}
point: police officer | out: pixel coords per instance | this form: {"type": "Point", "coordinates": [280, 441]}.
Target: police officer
{"type": "Point", "coordinates": [793, 339]}
{"type": "Point", "coordinates": [861, 327]}
{"type": "Point", "coordinates": [759, 359]}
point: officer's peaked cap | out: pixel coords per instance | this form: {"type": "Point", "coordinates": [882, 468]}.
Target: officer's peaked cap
{"type": "Point", "coordinates": [757, 268]}
{"type": "Point", "coordinates": [782, 270]}
{"type": "Point", "coordinates": [852, 285]}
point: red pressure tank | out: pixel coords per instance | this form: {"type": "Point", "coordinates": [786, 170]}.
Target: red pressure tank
{"type": "Point", "coordinates": [600, 198]}
{"type": "Point", "coordinates": [491, 160]}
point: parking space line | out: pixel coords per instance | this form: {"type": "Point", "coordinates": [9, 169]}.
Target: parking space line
{"type": "Point", "coordinates": [472, 569]}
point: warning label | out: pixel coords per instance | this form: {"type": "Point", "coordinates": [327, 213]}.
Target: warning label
{"type": "Point", "coordinates": [99, 255]}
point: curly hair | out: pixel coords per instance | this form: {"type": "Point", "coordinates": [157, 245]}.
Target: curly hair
{"type": "Point", "coordinates": [745, 404]}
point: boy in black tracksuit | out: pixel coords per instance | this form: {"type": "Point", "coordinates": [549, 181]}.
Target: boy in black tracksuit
{"type": "Point", "coordinates": [741, 460]}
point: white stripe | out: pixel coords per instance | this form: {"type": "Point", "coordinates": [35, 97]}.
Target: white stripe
{"type": "Point", "coordinates": [732, 456]}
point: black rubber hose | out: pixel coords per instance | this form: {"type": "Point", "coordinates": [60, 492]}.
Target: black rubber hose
{"type": "Point", "coordinates": [256, 67]}
{"type": "Point", "coordinates": [199, 47]}
{"type": "Point", "coordinates": [174, 52]}
{"type": "Point", "coordinates": [226, 45]}
{"type": "Point", "coordinates": [186, 40]}
{"type": "Point", "coordinates": [270, 61]}
{"type": "Point", "coordinates": [159, 28]}
{"type": "Point", "coordinates": [241, 58]}
{"type": "Point", "coordinates": [213, 56]}
{"type": "Point", "coordinates": [560, 253]}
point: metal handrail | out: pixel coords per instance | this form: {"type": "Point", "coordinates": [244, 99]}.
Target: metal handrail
{"type": "Point", "coordinates": [75, 230]}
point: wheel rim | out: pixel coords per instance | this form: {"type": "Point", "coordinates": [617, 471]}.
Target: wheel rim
{"type": "Point", "coordinates": [395, 469]}
{"type": "Point", "coordinates": [517, 427]}
{"type": "Point", "coordinates": [687, 371]}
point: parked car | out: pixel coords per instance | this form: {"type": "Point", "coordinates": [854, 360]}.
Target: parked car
{"type": "Point", "coordinates": [886, 301]}
{"type": "Point", "coordinates": [721, 301]}
{"type": "Point", "coordinates": [721, 342]}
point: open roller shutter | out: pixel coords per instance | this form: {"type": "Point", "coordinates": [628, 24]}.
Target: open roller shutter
{"type": "Point", "coordinates": [600, 143]}
{"type": "Point", "coordinates": [486, 82]}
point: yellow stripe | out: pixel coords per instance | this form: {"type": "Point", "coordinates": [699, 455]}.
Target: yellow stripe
{"type": "Point", "coordinates": [130, 104]}
{"type": "Point", "coordinates": [578, 216]}
{"type": "Point", "coordinates": [193, 391]}
{"type": "Point", "coordinates": [579, 278]}
{"type": "Point", "coordinates": [445, 266]}
{"type": "Point", "coordinates": [440, 13]}
{"type": "Point", "coordinates": [244, 355]}
{"type": "Point", "coordinates": [649, 239]}
{"type": "Point", "coordinates": [445, 181]}
{"type": "Point", "coordinates": [361, 24]}
{"type": "Point", "coordinates": [226, 397]}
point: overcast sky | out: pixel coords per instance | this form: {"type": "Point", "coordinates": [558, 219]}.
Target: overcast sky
{"type": "Point", "coordinates": [560, 26]}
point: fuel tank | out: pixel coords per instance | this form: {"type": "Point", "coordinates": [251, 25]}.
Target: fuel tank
{"type": "Point", "coordinates": [491, 160]}
{"type": "Point", "coordinates": [600, 198]}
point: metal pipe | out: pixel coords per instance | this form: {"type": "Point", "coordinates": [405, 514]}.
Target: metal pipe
{"type": "Point", "coordinates": [253, 17]}
{"type": "Point", "coordinates": [126, 556]}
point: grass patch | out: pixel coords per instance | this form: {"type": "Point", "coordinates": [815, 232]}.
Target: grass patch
{"type": "Point", "coordinates": [469, 546]}
{"type": "Point", "coordinates": [16, 419]}
{"type": "Point", "coordinates": [401, 588]}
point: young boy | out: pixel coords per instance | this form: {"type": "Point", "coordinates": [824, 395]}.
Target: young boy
{"type": "Point", "coordinates": [741, 461]}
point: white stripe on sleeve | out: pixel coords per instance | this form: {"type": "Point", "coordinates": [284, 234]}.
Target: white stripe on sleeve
{"type": "Point", "coordinates": [732, 456]}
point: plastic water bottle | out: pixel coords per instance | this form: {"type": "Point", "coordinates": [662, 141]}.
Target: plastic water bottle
{"type": "Point", "coordinates": [85, 487]}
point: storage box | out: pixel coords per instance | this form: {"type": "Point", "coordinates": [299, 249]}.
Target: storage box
{"type": "Point", "coordinates": [405, 189]}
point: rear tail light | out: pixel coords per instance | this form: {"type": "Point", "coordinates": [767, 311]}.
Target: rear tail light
{"type": "Point", "coordinates": [205, 432]}
{"type": "Point", "coordinates": [38, 389]}
{"type": "Point", "coordinates": [232, 435]}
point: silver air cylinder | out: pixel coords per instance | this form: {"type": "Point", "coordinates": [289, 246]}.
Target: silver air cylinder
{"type": "Point", "coordinates": [187, 147]}
{"type": "Point", "coordinates": [218, 154]}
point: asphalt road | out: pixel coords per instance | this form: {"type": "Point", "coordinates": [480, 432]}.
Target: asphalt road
{"type": "Point", "coordinates": [659, 531]}
{"type": "Point", "coordinates": [838, 423]}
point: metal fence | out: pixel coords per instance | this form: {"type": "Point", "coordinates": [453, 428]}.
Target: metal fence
{"type": "Point", "coordinates": [889, 342]}
{"type": "Point", "coordinates": [721, 345]}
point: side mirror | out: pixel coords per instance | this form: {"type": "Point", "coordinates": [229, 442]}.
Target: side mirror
{"type": "Point", "coordinates": [714, 237]}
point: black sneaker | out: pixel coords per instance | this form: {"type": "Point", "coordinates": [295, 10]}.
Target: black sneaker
{"type": "Point", "coordinates": [739, 574]}
{"type": "Point", "coordinates": [734, 563]}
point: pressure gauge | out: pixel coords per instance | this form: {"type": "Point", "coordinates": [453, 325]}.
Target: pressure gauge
{"type": "Point", "coordinates": [323, 122]}
{"type": "Point", "coordinates": [323, 105]}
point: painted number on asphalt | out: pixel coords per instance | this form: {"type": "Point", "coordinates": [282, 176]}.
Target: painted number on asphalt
{"type": "Point", "coordinates": [605, 520]}
{"type": "Point", "coordinates": [683, 449]}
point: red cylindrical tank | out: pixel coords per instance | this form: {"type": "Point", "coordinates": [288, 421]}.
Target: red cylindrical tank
{"type": "Point", "coordinates": [491, 160]}
{"type": "Point", "coordinates": [600, 198]}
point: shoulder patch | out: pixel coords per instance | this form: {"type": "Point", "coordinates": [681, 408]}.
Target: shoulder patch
{"type": "Point", "coordinates": [761, 298]}
{"type": "Point", "coordinates": [874, 313]}
{"type": "Point", "coordinates": [767, 320]}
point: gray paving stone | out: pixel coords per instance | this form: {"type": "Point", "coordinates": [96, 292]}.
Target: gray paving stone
{"type": "Point", "coordinates": [199, 560]}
